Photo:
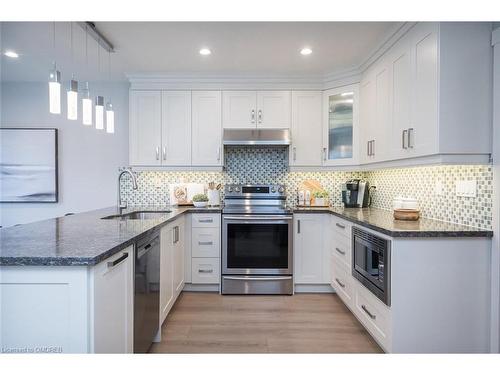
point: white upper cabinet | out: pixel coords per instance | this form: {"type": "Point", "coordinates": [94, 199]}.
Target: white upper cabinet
{"type": "Point", "coordinates": [340, 125]}
{"type": "Point", "coordinates": [239, 110]}
{"type": "Point", "coordinates": [206, 138]}
{"type": "Point", "coordinates": [145, 127]}
{"type": "Point", "coordinates": [261, 109]}
{"type": "Point", "coordinates": [366, 117]}
{"type": "Point", "coordinates": [176, 128]}
{"type": "Point", "coordinates": [306, 128]}
{"type": "Point", "coordinates": [274, 109]}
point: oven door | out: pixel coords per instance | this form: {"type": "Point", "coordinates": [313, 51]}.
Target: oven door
{"type": "Point", "coordinates": [257, 245]}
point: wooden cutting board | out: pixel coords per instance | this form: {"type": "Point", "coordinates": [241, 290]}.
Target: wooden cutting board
{"type": "Point", "coordinates": [311, 185]}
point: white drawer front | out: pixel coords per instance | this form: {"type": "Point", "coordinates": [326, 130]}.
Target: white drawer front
{"type": "Point", "coordinates": [340, 249]}
{"type": "Point", "coordinates": [205, 220]}
{"type": "Point", "coordinates": [341, 227]}
{"type": "Point", "coordinates": [205, 243]}
{"type": "Point", "coordinates": [374, 314]}
{"type": "Point", "coordinates": [205, 270]}
{"type": "Point", "coordinates": [343, 283]}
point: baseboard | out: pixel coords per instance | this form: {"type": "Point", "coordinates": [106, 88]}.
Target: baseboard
{"type": "Point", "coordinates": [201, 287]}
{"type": "Point", "coordinates": [313, 288]}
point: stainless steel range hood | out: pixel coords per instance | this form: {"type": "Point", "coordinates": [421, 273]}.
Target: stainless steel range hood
{"type": "Point", "coordinates": [256, 137]}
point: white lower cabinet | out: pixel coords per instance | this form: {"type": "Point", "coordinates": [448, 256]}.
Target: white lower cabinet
{"type": "Point", "coordinates": [178, 254]}
{"type": "Point", "coordinates": [205, 270]}
{"type": "Point", "coordinates": [310, 252]}
{"type": "Point", "coordinates": [342, 282]}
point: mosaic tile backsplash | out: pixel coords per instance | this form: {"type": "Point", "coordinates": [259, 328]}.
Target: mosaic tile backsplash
{"type": "Point", "coordinates": [270, 165]}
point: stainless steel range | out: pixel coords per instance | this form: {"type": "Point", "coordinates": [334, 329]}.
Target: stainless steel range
{"type": "Point", "coordinates": [257, 238]}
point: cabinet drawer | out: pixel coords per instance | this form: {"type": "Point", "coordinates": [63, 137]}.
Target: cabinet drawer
{"type": "Point", "coordinates": [205, 243]}
{"type": "Point", "coordinates": [205, 270]}
{"type": "Point", "coordinates": [205, 220]}
{"type": "Point", "coordinates": [342, 227]}
{"type": "Point", "coordinates": [375, 316]}
{"type": "Point", "coordinates": [342, 282]}
{"type": "Point", "coordinates": [340, 249]}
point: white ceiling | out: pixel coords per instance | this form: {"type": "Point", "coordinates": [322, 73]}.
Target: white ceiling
{"type": "Point", "coordinates": [238, 48]}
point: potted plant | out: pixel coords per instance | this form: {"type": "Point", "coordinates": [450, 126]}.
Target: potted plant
{"type": "Point", "coordinates": [320, 198]}
{"type": "Point", "coordinates": [200, 200]}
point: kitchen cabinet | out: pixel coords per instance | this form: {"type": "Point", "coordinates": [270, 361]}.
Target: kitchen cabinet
{"type": "Point", "coordinates": [417, 99]}
{"type": "Point", "coordinates": [306, 128]}
{"type": "Point", "coordinates": [256, 109]}
{"type": "Point", "coordinates": [206, 141]}
{"type": "Point", "coordinates": [166, 271]}
{"type": "Point", "coordinates": [113, 303]}
{"type": "Point", "coordinates": [310, 254]}
{"type": "Point", "coordinates": [340, 126]}
{"type": "Point", "coordinates": [160, 122]}
{"type": "Point", "coordinates": [145, 127]}
{"type": "Point", "coordinates": [178, 255]}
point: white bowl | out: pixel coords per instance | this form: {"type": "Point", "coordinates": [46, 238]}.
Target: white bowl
{"type": "Point", "coordinates": [200, 204]}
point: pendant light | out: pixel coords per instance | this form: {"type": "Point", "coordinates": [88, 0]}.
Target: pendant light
{"type": "Point", "coordinates": [110, 113]}
{"type": "Point", "coordinates": [54, 81]}
{"type": "Point", "coordinates": [72, 93]}
{"type": "Point", "coordinates": [99, 100]}
{"type": "Point", "coordinates": [86, 100]}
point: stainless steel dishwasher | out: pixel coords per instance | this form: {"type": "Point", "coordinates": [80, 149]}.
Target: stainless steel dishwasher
{"type": "Point", "coordinates": [146, 292]}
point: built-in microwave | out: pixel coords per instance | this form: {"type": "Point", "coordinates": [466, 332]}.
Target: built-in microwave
{"type": "Point", "coordinates": [371, 263]}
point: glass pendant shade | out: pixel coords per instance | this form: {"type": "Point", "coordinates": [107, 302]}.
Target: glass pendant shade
{"type": "Point", "coordinates": [86, 106]}
{"type": "Point", "coordinates": [72, 96]}
{"type": "Point", "coordinates": [55, 91]}
{"type": "Point", "coordinates": [110, 118]}
{"type": "Point", "coordinates": [99, 112]}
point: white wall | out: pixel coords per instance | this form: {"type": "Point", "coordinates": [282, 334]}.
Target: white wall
{"type": "Point", "coordinates": [88, 158]}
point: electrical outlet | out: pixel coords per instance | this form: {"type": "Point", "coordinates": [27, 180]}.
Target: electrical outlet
{"type": "Point", "coordinates": [466, 188]}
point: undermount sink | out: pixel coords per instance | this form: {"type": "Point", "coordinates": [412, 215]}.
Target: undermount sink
{"type": "Point", "coordinates": [137, 215]}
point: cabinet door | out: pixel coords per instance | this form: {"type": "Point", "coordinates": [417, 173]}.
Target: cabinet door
{"type": "Point", "coordinates": [308, 249]}
{"type": "Point", "coordinates": [166, 272]}
{"type": "Point", "coordinates": [401, 97]}
{"type": "Point", "coordinates": [178, 249]}
{"type": "Point", "coordinates": [207, 128]}
{"type": "Point", "coordinates": [274, 109]}
{"type": "Point", "coordinates": [306, 128]}
{"type": "Point", "coordinates": [380, 148]}
{"type": "Point", "coordinates": [423, 132]}
{"type": "Point", "coordinates": [239, 109]}
{"type": "Point", "coordinates": [367, 109]}
{"type": "Point", "coordinates": [176, 128]}
{"type": "Point", "coordinates": [145, 127]}
{"type": "Point", "coordinates": [113, 303]}
{"type": "Point", "coordinates": [340, 126]}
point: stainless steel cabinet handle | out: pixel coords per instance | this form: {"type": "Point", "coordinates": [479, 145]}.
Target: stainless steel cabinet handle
{"type": "Point", "coordinates": [405, 132]}
{"type": "Point", "coordinates": [157, 153]}
{"type": "Point", "coordinates": [218, 153]}
{"type": "Point", "coordinates": [368, 148]}
{"type": "Point", "coordinates": [324, 153]}
{"type": "Point", "coordinates": [368, 312]}
{"type": "Point", "coordinates": [294, 153]}
{"type": "Point", "coordinates": [118, 261]}
{"type": "Point", "coordinates": [340, 283]}
{"type": "Point", "coordinates": [340, 251]}
{"type": "Point", "coordinates": [205, 271]}
{"type": "Point", "coordinates": [205, 220]}
{"type": "Point", "coordinates": [341, 226]}
{"type": "Point", "coordinates": [260, 116]}
{"type": "Point", "coordinates": [176, 234]}
{"type": "Point", "coordinates": [252, 116]}
{"type": "Point", "coordinates": [205, 243]}
{"type": "Point", "coordinates": [298, 226]}
{"type": "Point", "coordinates": [164, 153]}
{"type": "Point", "coordinates": [373, 147]}
{"type": "Point", "coordinates": [410, 138]}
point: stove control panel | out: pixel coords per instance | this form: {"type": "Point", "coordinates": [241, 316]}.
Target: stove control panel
{"type": "Point", "coordinates": [254, 191]}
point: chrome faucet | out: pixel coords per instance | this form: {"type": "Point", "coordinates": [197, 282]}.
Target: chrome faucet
{"type": "Point", "coordinates": [122, 205]}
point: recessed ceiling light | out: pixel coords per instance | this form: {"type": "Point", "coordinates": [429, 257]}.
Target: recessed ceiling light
{"type": "Point", "coordinates": [205, 51]}
{"type": "Point", "coordinates": [305, 51]}
{"type": "Point", "coordinates": [11, 54]}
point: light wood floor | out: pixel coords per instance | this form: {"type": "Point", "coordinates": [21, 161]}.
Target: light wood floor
{"type": "Point", "coordinates": [303, 323]}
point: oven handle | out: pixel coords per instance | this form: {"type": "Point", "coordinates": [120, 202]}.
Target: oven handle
{"type": "Point", "coordinates": [275, 217]}
{"type": "Point", "coordinates": [274, 278]}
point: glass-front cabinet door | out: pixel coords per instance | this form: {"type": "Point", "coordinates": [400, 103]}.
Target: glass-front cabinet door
{"type": "Point", "coordinates": [340, 125]}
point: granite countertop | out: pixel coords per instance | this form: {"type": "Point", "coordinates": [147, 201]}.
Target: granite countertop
{"type": "Point", "coordinates": [82, 239]}
{"type": "Point", "coordinates": [383, 221]}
